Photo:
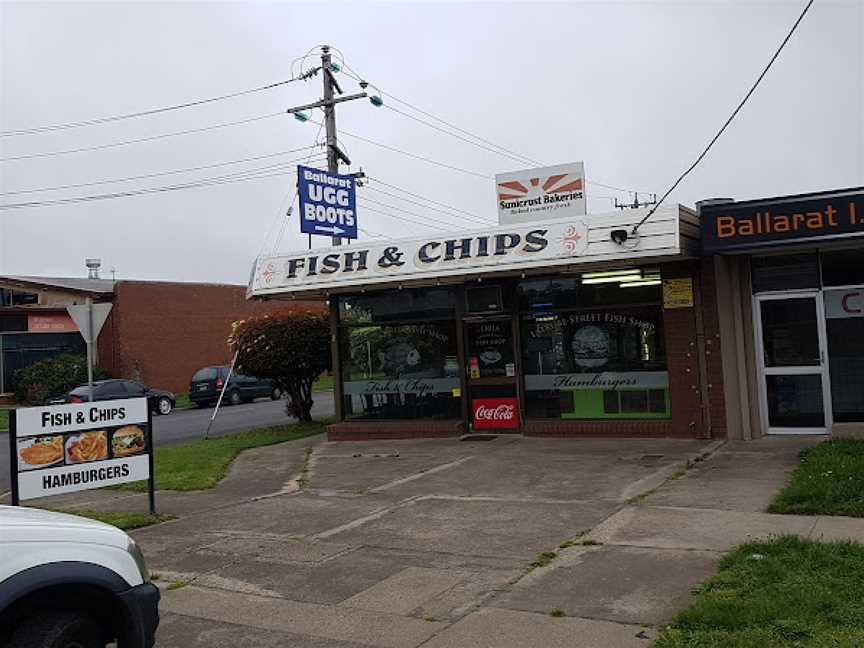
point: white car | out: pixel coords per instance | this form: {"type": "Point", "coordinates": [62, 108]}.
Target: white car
{"type": "Point", "coordinates": [70, 582]}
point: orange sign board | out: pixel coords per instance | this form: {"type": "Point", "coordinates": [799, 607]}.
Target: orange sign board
{"type": "Point", "coordinates": [51, 323]}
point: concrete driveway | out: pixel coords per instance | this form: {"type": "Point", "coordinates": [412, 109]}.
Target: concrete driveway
{"type": "Point", "coordinates": [402, 544]}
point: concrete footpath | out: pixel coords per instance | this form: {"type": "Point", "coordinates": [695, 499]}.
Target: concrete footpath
{"type": "Point", "coordinates": [431, 543]}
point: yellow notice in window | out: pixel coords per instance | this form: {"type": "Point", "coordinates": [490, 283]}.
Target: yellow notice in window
{"type": "Point", "coordinates": [677, 293]}
{"type": "Point", "coordinates": [457, 392]}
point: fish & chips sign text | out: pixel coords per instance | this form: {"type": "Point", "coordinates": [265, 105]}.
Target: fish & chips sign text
{"type": "Point", "coordinates": [416, 258]}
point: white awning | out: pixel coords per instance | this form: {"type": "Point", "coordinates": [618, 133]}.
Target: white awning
{"type": "Point", "coordinates": [577, 243]}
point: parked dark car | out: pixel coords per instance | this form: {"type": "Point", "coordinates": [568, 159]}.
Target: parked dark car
{"type": "Point", "coordinates": [207, 383]}
{"type": "Point", "coordinates": [161, 401]}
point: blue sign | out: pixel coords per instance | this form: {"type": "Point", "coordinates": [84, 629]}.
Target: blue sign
{"type": "Point", "coordinates": [328, 203]}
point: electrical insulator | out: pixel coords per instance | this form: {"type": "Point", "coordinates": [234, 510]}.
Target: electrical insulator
{"type": "Point", "coordinates": [376, 101]}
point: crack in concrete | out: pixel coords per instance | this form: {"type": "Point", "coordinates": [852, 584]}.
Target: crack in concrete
{"type": "Point", "coordinates": [419, 475]}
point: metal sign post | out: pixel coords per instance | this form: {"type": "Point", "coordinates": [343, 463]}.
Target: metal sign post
{"type": "Point", "coordinates": [221, 395]}
{"type": "Point", "coordinates": [89, 318]}
{"type": "Point", "coordinates": [89, 340]}
{"type": "Point", "coordinates": [13, 474]}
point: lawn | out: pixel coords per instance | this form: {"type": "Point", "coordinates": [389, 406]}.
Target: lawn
{"type": "Point", "coordinates": [203, 464]}
{"type": "Point", "coordinates": [781, 593]}
{"type": "Point", "coordinates": [4, 420]}
{"type": "Point", "coordinates": [182, 402]}
{"type": "Point", "coordinates": [125, 521]}
{"type": "Point", "coordinates": [324, 383]}
{"type": "Point", "coordinates": [829, 481]}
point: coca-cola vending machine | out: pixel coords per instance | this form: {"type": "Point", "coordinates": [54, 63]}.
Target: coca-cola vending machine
{"type": "Point", "coordinates": [495, 413]}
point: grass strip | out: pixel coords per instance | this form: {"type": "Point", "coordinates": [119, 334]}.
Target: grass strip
{"type": "Point", "coordinates": [829, 481]}
{"type": "Point", "coordinates": [780, 593]}
{"type": "Point", "coordinates": [203, 464]}
{"type": "Point", "coordinates": [323, 384]}
{"type": "Point", "coordinates": [182, 402]}
{"type": "Point", "coordinates": [4, 420]}
{"type": "Point", "coordinates": [124, 520]}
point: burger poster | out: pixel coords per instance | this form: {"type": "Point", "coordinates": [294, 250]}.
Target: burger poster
{"type": "Point", "coordinates": [68, 448]}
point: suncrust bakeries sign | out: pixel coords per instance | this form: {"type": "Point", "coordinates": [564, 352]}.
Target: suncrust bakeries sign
{"type": "Point", "coordinates": [67, 448]}
{"type": "Point", "coordinates": [410, 259]}
{"type": "Point", "coordinates": [539, 194]}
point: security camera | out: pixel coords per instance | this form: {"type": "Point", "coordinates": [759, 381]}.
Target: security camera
{"type": "Point", "coordinates": [619, 236]}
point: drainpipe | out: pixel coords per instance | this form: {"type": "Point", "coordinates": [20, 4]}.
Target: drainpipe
{"type": "Point", "coordinates": [702, 358]}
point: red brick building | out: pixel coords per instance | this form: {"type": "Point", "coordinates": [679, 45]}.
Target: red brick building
{"type": "Point", "coordinates": [157, 332]}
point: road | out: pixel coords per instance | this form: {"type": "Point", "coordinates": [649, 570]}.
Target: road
{"type": "Point", "coordinates": [188, 425]}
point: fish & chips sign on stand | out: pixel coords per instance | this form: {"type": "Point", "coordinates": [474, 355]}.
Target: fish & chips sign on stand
{"type": "Point", "coordinates": [68, 448]}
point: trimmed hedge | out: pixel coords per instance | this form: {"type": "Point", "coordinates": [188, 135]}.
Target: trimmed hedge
{"type": "Point", "coordinates": [53, 377]}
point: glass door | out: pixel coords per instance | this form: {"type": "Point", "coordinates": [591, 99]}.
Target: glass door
{"type": "Point", "coordinates": [792, 361]}
{"type": "Point", "coordinates": [491, 375]}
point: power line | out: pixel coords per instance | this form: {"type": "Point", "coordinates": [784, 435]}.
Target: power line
{"type": "Point", "coordinates": [476, 219]}
{"type": "Point", "coordinates": [407, 211]}
{"type": "Point", "coordinates": [446, 123]}
{"type": "Point", "coordinates": [513, 155]}
{"type": "Point", "coordinates": [142, 113]}
{"type": "Point", "coordinates": [141, 139]}
{"type": "Point", "coordinates": [416, 195]}
{"type": "Point", "coordinates": [205, 182]}
{"type": "Point", "coordinates": [374, 233]}
{"type": "Point", "coordinates": [155, 175]}
{"type": "Point", "coordinates": [402, 218]}
{"type": "Point", "coordinates": [452, 134]}
{"type": "Point", "coordinates": [728, 121]}
{"type": "Point", "coordinates": [284, 225]}
{"type": "Point", "coordinates": [412, 155]}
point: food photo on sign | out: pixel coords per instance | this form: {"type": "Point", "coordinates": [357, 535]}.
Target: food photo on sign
{"type": "Point", "coordinates": [87, 446]}
{"type": "Point", "coordinates": [40, 452]}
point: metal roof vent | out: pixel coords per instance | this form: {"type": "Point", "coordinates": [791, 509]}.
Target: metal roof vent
{"type": "Point", "coordinates": [93, 266]}
{"type": "Point", "coordinates": [709, 202]}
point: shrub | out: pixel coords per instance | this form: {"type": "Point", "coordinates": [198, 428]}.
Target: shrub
{"type": "Point", "coordinates": [52, 377]}
{"type": "Point", "coordinates": [291, 349]}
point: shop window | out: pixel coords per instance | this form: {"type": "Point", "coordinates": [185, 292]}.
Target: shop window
{"type": "Point", "coordinates": [785, 272]}
{"type": "Point", "coordinates": [597, 363]}
{"type": "Point", "coordinates": [843, 267]}
{"type": "Point", "coordinates": [17, 298]}
{"type": "Point", "coordinates": [398, 305]}
{"type": "Point", "coordinates": [537, 295]}
{"type": "Point", "coordinates": [844, 321]}
{"type": "Point", "coordinates": [405, 371]}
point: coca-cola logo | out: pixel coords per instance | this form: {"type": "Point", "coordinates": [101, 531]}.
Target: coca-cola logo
{"type": "Point", "coordinates": [491, 413]}
{"type": "Point", "coordinates": [500, 413]}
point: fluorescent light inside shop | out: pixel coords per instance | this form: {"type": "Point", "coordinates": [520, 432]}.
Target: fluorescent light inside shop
{"type": "Point", "coordinates": [633, 277]}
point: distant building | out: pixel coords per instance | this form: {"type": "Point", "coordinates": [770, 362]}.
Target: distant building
{"type": "Point", "coordinates": [158, 332]}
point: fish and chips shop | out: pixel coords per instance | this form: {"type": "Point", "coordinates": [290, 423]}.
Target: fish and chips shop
{"type": "Point", "coordinates": [550, 326]}
{"type": "Point", "coordinates": [790, 288]}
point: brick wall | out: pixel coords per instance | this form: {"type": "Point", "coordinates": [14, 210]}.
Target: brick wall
{"type": "Point", "coordinates": [161, 333]}
{"type": "Point", "coordinates": [713, 351]}
{"type": "Point", "coordinates": [688, 418]}
{"type": "Point", "coordinates": [385, 430]}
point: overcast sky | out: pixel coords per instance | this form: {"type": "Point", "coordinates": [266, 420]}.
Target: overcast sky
{"type": "Point", "coordinates": [635, 89]}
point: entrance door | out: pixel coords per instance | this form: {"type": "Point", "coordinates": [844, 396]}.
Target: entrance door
{"type": "Point", "coordinates": [793, 367]}
{"type": "Point", "coordinates": [493, 402]}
